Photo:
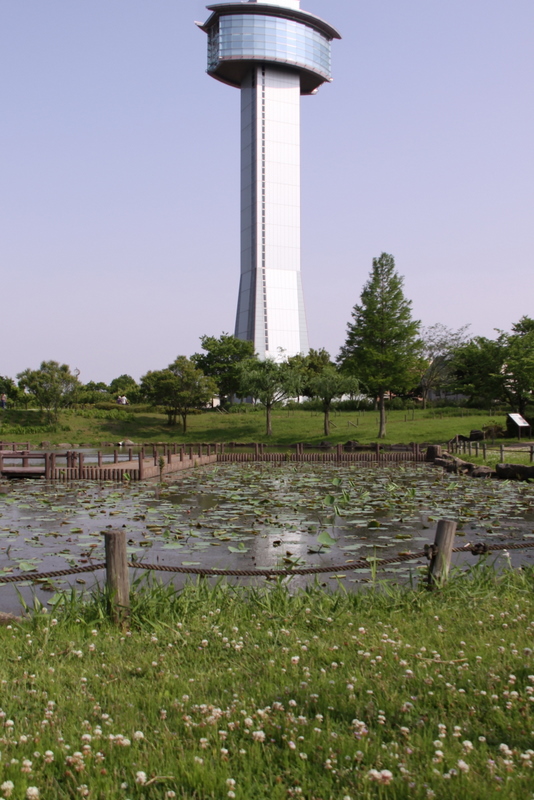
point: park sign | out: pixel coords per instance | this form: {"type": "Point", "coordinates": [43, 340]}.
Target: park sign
{"type": "Point", "coordinates": [519, 420]}
{"type": "Point", "coordinates": [520, 423]}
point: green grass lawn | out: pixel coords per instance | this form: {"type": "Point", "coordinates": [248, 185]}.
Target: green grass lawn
{"type": "Point", "coordinates": [289, 427]}
{"type": "Point", "coordinates": [263, 695]}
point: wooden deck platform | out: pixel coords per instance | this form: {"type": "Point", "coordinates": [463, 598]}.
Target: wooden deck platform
{"type": "Point", "coordinates": [166, 459]}
{"type": "Point", "coordinates": [75, 468]}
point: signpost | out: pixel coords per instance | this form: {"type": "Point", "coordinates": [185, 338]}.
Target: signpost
{"type": "Point", "coordinates": [520, 422]}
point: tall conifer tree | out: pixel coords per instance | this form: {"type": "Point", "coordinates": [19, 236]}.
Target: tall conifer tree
{"type": "Point", "coordinates": [382, 345]}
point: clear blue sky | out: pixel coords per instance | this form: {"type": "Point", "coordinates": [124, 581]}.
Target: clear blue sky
{"type": "Point", "coordinates": [119, 186]}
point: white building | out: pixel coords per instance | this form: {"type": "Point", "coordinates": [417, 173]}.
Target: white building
{"type": "Point", "coordinates": [273, 52]}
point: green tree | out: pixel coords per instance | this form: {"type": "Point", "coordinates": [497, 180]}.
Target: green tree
{"type": "Point", "coordinates": [328, 385]}
{"type": "Point", "coordinates": [307, 366]}
{"type": "Point", "coordinates": [268, 381]}
{"type": "Point", "coordinates": [180, 389]}
{"type": "Point", "coordinates": [221, 360]}
{"type": "Point", "coordinates": [382, 346]}
{"type": "Point", "coordinates": [9, 388]}
{"type": "Point", "coordinates": [125, 385]}
{"type": "Point", "coordinates": [518, 364]}
{"type": "Point", "coordinates": [477, 370]}
{"type": "Point", "coordinates": [92, 392]}
{"type": "Point", "coordinates": [439, 345]}
{"type": "Point", "coordinates": [52, 385]}
{"type": "Point", "coordinates": [488, 370]}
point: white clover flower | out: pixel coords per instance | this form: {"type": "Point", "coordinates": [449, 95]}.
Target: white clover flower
{"type": "Point", "coordinates": [7, 788]}
{"type": "Point", "coordinates": [462, 766]}
{"type": "Point", "coordinates": [140, 777]}
{"type": "Point", "coordinates": [32, 793]}
{"type": "Point", "coordinates": [138, 736]}
{"type": "Point", "coordinates": [468, 746]}
{"type": "Point", "coordinates": [198, 760]}
{"type": "Point", "coordinates": [258, 736]}
{"type": "Point", "coordinates": [385, 777]}
{"type": "Point", "coordinates": [295, 659]}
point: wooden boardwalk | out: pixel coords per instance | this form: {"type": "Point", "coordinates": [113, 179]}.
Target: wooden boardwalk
{"type": "Point", "coordinates": [71, 465]}
{"type": "Point", "coordinates": [27, 464]}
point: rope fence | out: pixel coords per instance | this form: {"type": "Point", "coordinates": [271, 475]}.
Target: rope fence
{"type": "Point", "coordinates": [430, 551]}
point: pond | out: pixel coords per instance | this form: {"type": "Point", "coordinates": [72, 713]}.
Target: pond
{"type": "Point", "coordinates": [257, 515]}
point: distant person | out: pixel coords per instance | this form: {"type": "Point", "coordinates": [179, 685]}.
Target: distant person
{"type": "Point", "coordinates": [3, 401]}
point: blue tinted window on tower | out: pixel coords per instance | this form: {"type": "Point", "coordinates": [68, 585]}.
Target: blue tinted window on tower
{"type": "Point", "coordinates": [257, 37]}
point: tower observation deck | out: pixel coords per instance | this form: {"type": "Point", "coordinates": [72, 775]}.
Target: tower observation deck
{"type": "Point", "coordinates": [274, 53]}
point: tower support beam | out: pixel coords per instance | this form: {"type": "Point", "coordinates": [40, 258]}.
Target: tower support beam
{"type": "Point", "coordinates": [271, 306]}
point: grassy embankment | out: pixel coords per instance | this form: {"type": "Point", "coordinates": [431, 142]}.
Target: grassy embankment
{"type": "Point", "coordinates": [217, 693]}
{"type": "Point", "coordinates": [95, 427]}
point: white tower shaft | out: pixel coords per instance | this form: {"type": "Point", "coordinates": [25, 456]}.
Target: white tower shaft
{"type": "Point", "coordinates": [271, 305]}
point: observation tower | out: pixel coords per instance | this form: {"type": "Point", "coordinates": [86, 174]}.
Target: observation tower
{"type": "Point", "coordinates": [274, 52]}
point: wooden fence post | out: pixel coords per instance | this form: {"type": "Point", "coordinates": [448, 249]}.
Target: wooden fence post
{"type": "Point", "coordinates": [141, 466]}
{"type": "Point", "coordinates": [438, 571]}
{"type": "Point", "coordinates": [502, 454]}
{"type": "Point", "coordinates": [117, 578]}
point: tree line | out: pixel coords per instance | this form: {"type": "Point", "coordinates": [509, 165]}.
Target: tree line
{"type": "Point", "coordinates": [386, 354]}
